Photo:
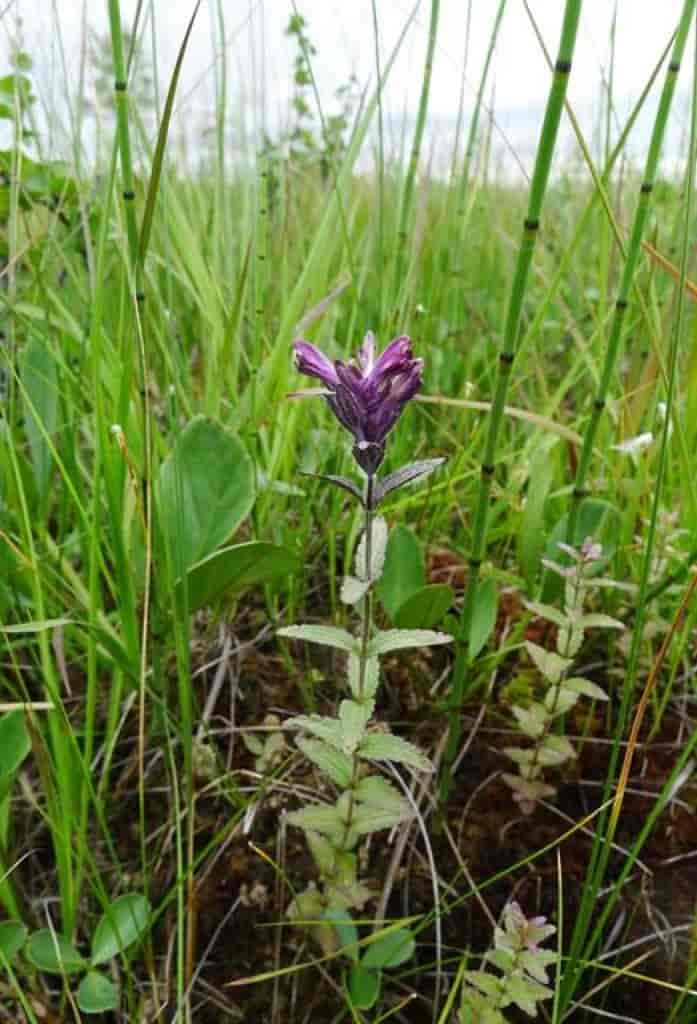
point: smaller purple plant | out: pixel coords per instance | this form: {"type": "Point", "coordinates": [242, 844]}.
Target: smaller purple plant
{"type": "Point", "coordinates": [366, 397]}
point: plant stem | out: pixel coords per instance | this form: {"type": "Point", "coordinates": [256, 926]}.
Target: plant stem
{"type": "Point", "coordinates": [630, 266]}
{"type": "Point", "coordinates": [543, 161]}
{"type": "Point", "coordinates": [365, 637]}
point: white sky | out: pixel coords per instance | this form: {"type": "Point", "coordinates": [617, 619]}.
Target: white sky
{"type": "Point", "coordinates": [343, 35]}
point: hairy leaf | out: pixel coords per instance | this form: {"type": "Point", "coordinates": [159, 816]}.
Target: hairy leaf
{"type": "Point", "coordinates": [326, 636]}
{"type": "Point", "coordinates": [405, 475]}
{"type": "Point", "coordinates": [328, 759]}
{"type": "Point", "coordinates": [402, 639]}
{"type": "Point", "coordinates": [383, 746]}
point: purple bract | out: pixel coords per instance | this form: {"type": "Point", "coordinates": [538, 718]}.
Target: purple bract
{"type": "Point", "coordinates": [368, 397]}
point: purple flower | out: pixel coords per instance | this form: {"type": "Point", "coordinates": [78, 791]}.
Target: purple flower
{"type": "Point", "coordinates": [368, 397]}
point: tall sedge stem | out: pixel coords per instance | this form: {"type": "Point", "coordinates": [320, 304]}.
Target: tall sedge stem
{"type": "Point", "coordinates": [543, 161]}
{"type": "Point", "coordinates": [630, 266]}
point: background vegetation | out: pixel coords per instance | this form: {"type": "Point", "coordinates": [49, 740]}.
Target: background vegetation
{"type": "Point", "coordinates": [155, 530]}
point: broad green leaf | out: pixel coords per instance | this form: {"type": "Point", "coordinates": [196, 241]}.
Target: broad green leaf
{"type": "Point", "coordinates": [547, 611]}
{"type": "Point", "coordinates": [536, 963]}
{"type": "Point", "coordinates": [323, 852]}
{"type": "Point", "coordinates": [371, 678]}
{"type": "Point", "coordinates": [325, 820]}
{"type": "Point", "coordinates": [383, 746]}
{"type": "Point", "coordinates": [354, 718]}
{"type": "Point", "coordinates": [328, 759]}
{"type": "Point", "coordinates": [584, 686]}
{"type": "Point", "coordinates": [426, 607]}
{"type": "Point", "coordinates": [368, 819]}
{"type": "Point", "coordinates": [97, 994]}
{"type": "Point", "coordinates": [375, 790]}
{"type": "Point", "coordinates": [403, 639]}
{"type": "Point", "coordinates": [13, 935]}
{"type": "Point", "coordinates": [325, 728]}
{"type": "Point", "coordinates": [595, 620]}
{"type": "Point", "coordinates": [483, 616]}
{"type": "Point", "coordinates": [403, 573]}
{"type": "Point", "coordinates": [532, 530]}
{"type": "Point", "coordinates": [48, 951]}
{"type": "Point", "coordinates": [378, 549]}
{"type": "Point", "coordinates": [364, 987]}
{"type": "Point", "coordinates": [559, 700]}
{"type": "Point", "coordinates": [532, 720]}
{"type": "Point", "coordinates": [326, 636]}
{"type": "Point", "coordinates": [486, 983]}
{"type": "Point", "coordinates": [41, 407]}
{"type": "Point", "coordinates": [15, 743]}
{"type": "Point", "coordinates": [122, 924]}
{"type": "Point", "coordinates": [526, 993]}
{"type": "Point", "coordinates": [204, 490]}
{"type": "Point", "coordinates": [346, 931]}
{"type": "Point", "coordinates": [553, 752]}
{"type": "Point", "coordinates": [528, 791]}
{"type": "Point", "coordinates": [550, 664]}
{"type": "Point", "coordinates": [235, 568]}
{"type": "Point", "coordinates": [390, 950]}
{"type": "Point", "coordinates": [520, 755]}
{"type": "Point", "coordinates": [559, 745]}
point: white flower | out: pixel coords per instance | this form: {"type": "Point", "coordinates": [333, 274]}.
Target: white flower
{"type": "Point", "coordinates": [635, 444]}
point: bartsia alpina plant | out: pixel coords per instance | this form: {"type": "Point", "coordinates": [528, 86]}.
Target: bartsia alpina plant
{"type": "Point", "coordinates": [367, 397]}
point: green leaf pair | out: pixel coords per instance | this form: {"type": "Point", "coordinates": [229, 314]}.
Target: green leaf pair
{"type": "Point", "coordinates": [390, 949]}
{"type": "Point", "coordinates": [122, 925]}
{"type": "Point", "coordinates": [404, 594]}
{"type": "Point", "coordinates": [204, 491]}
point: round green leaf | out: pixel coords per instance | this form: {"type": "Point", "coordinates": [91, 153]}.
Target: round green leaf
{"type": "Point", "coordinates": [13, 935]}
{"type": "Point", "coordinates": [484, 616]}
{"type": "Point", "coordinates": [14, 742]}
{"type": "Point", "coordinates": [53, 953]}
{"type": "Point", "coordinates": [425, 608]}
{"type": "Point", "coordinates": [234, 568]}
{"type": "Point", "coordinates": [364, 987]}
{"type": "Point", "coordinates": [403, 572]}
{"type": "Point", "coordinates": [97, 994]}
{"type": "Point", "coordinates": [391, 950]}
{"type": "Point", "coordinates": [123, 923]}
{"type": "Point", "coordinates": [205, 489]}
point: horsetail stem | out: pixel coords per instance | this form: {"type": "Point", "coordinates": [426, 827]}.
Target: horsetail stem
{"type": "Point", "coordinates": [543, 161]}
{"type": "Point", "coordinates": [124, 138]}
{"type": "Point", "coordinates": [408, 194]}
{"type": "Point", "coordinates": [582, 948]}
{"type": "Point", "coordinates": [630, 266]}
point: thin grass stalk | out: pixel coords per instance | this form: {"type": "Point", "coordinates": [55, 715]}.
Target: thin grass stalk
{"type": "Point", "coordinates": [580, 949]}
{"type": "Point", "coordinates": [407, 202]}
{"type": "Point", "coordinates": [633, 252]}
{"type": "Point", "coordinates": [538, 186]}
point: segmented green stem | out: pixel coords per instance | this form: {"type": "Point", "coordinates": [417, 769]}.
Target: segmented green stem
{"type": "Point", "coordinates": [543, 161]}
{"type": "Point", "coordinates": [581, 949]}
{"type": "Point", "coordinates": [408, 194]}
{"type": "Point", "coordinates": [630, 266]}
{"type": "Point", "coordinates": [124, 138]}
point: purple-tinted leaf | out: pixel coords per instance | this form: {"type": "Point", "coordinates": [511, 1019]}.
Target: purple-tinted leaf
{"type": "Point", "coordinates": [339, 481]}
{"type": "Point", "coordinates": [405, 475]}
